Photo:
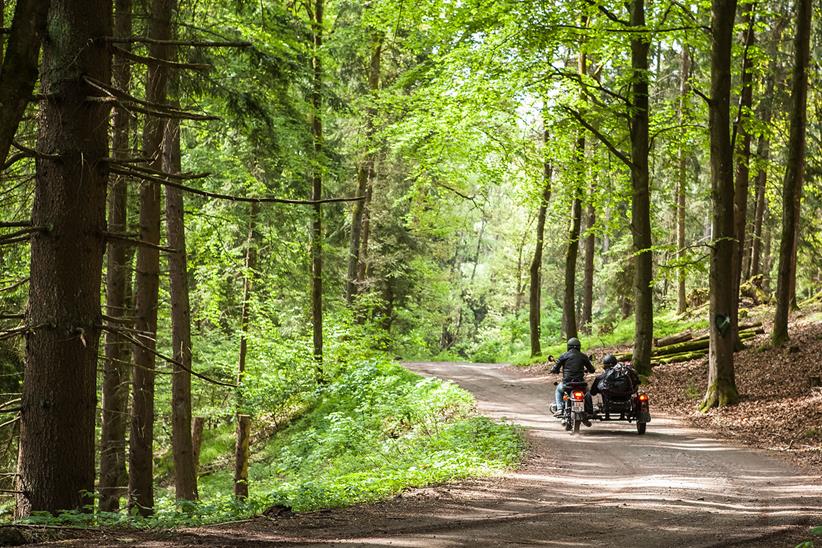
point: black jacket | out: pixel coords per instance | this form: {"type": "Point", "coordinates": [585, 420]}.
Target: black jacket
{"type": "Point", "coordinates": [574, 364]}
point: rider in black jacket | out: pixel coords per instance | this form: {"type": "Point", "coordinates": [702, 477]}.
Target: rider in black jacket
{"type": "Point", "coordinates": [574, 364]}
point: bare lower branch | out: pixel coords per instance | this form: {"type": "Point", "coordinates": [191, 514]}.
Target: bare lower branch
{"type": "Point", "coordinates": [13, 159]}
{"type": "Point", "coordinates": [129, 101]}
{"type": "Point", "coordinates": [135, 241]}
{"type": "Point", "coordinates": [148, 60]}
{"type": "Point", "coordinates": [166, 358]}
{"type": "Point", "coordinates": [158, 173]}
{"type": "Point", "coordinates": [34, 153]}
{"type": "Point", "coordinates": [193, 43]}
{"type": "Point", "coordinates": [218, 196]}
{"type": "Point", "coordinates": [14, 286]}
{"type": "Point", "coordinates": [14, 224]}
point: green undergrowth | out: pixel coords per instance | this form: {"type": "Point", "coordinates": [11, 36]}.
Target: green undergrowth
{"type": "Point", "coordinates": [375, 431]}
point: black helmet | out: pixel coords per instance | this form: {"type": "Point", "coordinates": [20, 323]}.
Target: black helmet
{"type": "Point", "coordinates": [573, 342]}
{"type": "Point", "coordinates": [609, 360]}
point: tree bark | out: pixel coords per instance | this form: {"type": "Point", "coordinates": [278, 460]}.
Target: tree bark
{"type": "Point", "coordinates": [682, 183]}
{"type": "Point", "coordinates": [141, 488]}
{"type": "Point", "coordinates": [19, 70]}
{"type": "Point", "coordinates": [241, 446]}
{"type": "Point", "coordinates": [743, 156]}
{"type": "Point", "coordinates": [588, 269]}
{"type": "Point", "coordinates": [721, 383]}
{"type": "Point", "coordinates": [58, 408]}
{"type": "Point", "coordinates": [366, 169]}
{"type": "Point", "coordinates": [185, 476]}
{"type": "Point", "coordinates": [113, 481]}
{"type": "Point", "coordinates": [795, 171]}
{"type": "Point", "coordinates": [641, 199]}
{"type": "Point", "coordinates": [317, 185]}
{"type": "Point", "coordinates": [569, 319]}
{"type": "Point", "coordinates": [535, 288]}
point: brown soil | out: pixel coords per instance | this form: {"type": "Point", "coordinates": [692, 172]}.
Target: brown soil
{"type": "Point", "coordinates": [607, 486]}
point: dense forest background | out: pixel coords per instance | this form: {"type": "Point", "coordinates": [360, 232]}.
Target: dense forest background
{"type": "Point", "coordinates": [290, 193]}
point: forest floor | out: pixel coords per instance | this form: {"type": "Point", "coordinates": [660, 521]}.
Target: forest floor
{"type": "Point", "coordinates": [676, 486]}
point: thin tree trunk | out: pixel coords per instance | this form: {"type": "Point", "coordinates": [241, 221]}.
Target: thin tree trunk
{"type": "Point", "coordinates": [721, 383]}
{"type": "Point", "coordinates": [113, 481]}
{"type": "Point", "coordinates": [588, 269]}
{"type": "Point", "coordinates": [536, 263]}
{"type": "Point", "coordinates": [362, 266]}
{"type": "Point", "coordinates": [317, 184]}
{"type": "Point", "coordinates": [243, 429]}
{"type": "Point", "coordinates": [794, 173]}
{"type": "Point", "coordinates": [743, 156]}
{"type": "Point", "coordinates": [365, 171]}
{"type": "Point", "coordinates": [682, 183]}
{"type": "Point", "coordinates": [569, 319]}
{"type": "Point", "coordinates": [19, 70]}
{"type": "Point", "coordinates": [767, 259]}
{"type": "Point", "coordinates": [57, 430]}
{"type": "Point", "coordinates": [641, 200]}
{"type": "Point", "coordinates": [141, 467]}
{"type": "Point", "coordinates": [185, 477]}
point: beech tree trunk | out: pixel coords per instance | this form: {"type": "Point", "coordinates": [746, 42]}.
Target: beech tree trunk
{"type": "Point", "coordinates": [185, 475]}
{"type": "Point", "coordinates": [113, 481]}
{"type": "Point", "coordinates": [243, 429]}
{"type": "Point", "coordinates": [317, 185]}
{"type": "Point", "coordinates": [743, 155]}
{"type": "Point", "coordinates": [141, 468]}
{"type": "Point", "coordinates": [58, 407]}
{"type": "Point", "coordinates": [569, 319]}
{"type": "Point", "coordinates": [588, 269]}
{"type": "Point", "coordinates": [365, 172]}
{"type": "Point", "coordinates": [795, 171]}
{"type": "Point", "coordinates": [682, 182]}
{"type": "Point", "coordinates": [535, 289]}
{"type": "Point", "coordinates": [641, 199]}
{"type": "Point", "coordinates": [19, 69]}
{"type": "Point", "coordinates": [721, 383]}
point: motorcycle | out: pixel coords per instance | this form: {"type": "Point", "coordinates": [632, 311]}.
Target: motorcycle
{"type": "Point", "coordinates": [574, 409]}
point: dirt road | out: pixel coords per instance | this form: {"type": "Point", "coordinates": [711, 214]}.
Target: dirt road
{"type": "Point", "coordinates": [606, 486]}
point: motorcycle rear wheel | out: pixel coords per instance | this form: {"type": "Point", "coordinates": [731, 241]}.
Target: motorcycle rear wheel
{"type": "Point", "coordinates": [640, 428]}
{"type": "Point", "coordinates": [577, 422]}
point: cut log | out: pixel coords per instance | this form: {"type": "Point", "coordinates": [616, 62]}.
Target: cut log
{"type": "Point", "coordinates": [749, 325]}
{"type": "Point", "coordinates": [673, 339]}
{"type": "Point", "coordinates": [683, 357]}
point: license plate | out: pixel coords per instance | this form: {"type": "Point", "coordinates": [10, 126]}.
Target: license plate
{"type": "Point", "coordinates": [578, 406]}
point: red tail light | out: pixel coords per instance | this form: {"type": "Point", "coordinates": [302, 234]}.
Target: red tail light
{"type": "Point", "coordinates": [578, 395]}
{"type": "Point", "coordinates": [643, 397]}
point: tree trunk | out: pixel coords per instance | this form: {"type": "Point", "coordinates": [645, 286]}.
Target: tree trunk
{"type": "Point", "coordinates": [743, 156]}
{"type": "Point", "coordinates": [185, 477]}
{"type": "Point", "coordinates": [721, 383]}
{"type": "Point", "coordinates": [795, 171]}
{"type": "Point", "coordinates": [569, 319]}
{"type": "Point", "coordinates": [682, 183]}
{"type": "Point", "coordinates": [535, 288]}
{"type": "Point", "coordinates": [641, 200]}
{"type": "Point", "coordinates": [588, 270]}
{"type": "Point", "coordinates": [58, 408]}
{"type": "Point", "coordinates": [317, 185]}
{"type": "Point", "coordinates": [19, 69]}
{"type": "Point", "coordinates": [362, 266]}
{"type": "Point", "coordinates": [113, 481]}
{"type": "Point", "coordinates": [242, 441]}
{"type": "Point", "coordinates": [141, 469]}
{"type": "Point", "coordinates": [366, 169]}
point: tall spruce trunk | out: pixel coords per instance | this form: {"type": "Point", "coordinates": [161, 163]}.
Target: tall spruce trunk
{"type": "Point", "coordinates": [569, 319]}
{"type": "Point", "coordinates": [588, 266]}
{"type": "Point", "coordinates": [743, 156]}
{"type": "Point", "coordinates": [535, 288]}
{"type": "Point", "coordinates": [19, 67]}
{"type": "Point", "coordinates": [141, 443]}
{"type": "Point", "coordinates": [682, 182]}
{"type": "Point", "coordinates": [113, 482]}
{"type": "Point", "coordinates": [317, 185]}
{"type": "Point", "coordinates": [641, 198]}
{"type": "Point", "coordinates": [794, 173]}
{"type": "Point", "coordinates": [243, 421]}
{"type": "Point", "coordinates": [362, 265]}
{"type": "Point", "coordinates": [185, 475]}
{"type": "Point", "coordinates": [721, 383]}
{"type": "Point", "coordinates": [365, 171]}
{"type": "Point", "coordinates": [58, 407]}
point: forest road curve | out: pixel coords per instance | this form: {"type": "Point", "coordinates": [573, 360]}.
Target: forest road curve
{"type": "Point", "coordinates": [606, 486]}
